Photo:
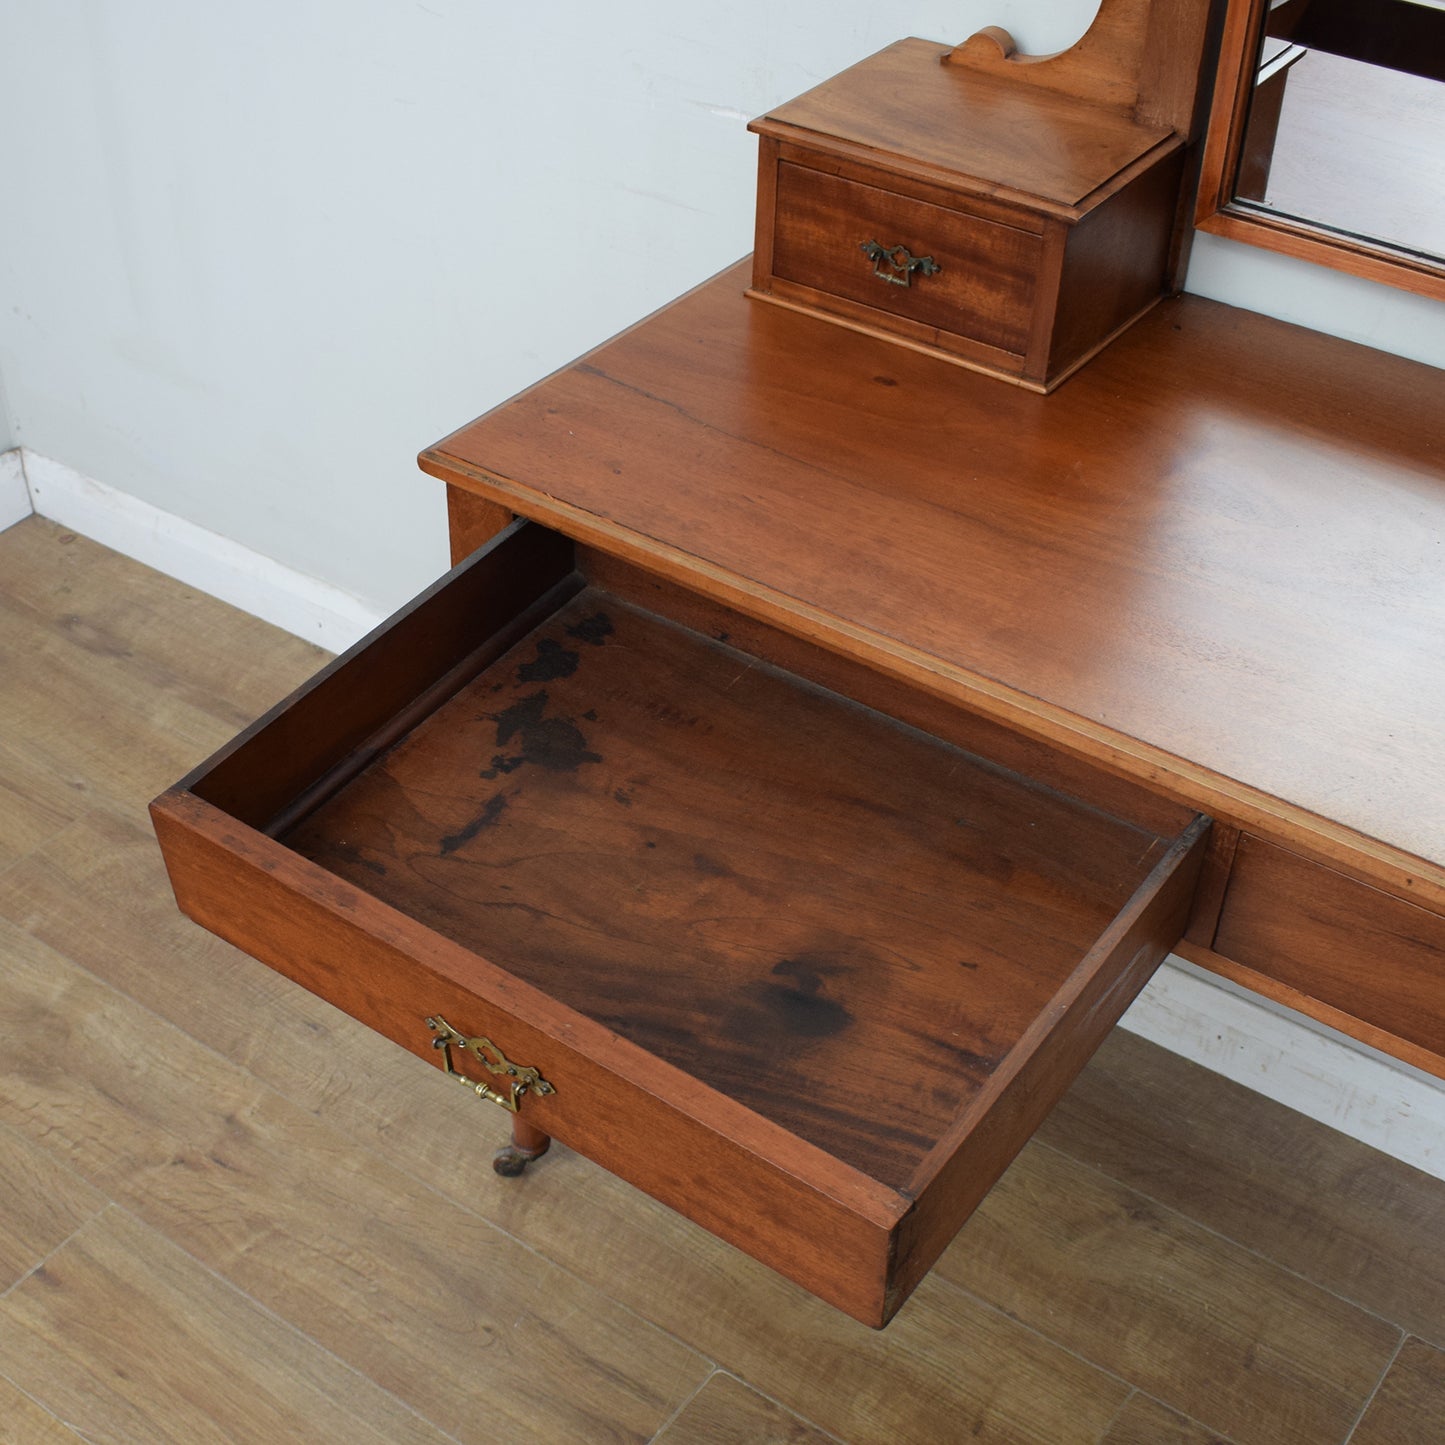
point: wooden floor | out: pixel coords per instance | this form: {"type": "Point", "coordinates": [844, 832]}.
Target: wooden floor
{"type": "Point", "coordinates": [228, 1213]}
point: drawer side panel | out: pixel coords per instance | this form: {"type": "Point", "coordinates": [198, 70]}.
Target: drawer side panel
{"type": "Point", "coordinates": [1116, 262]}
{"type": "Point", "coordinates": [423, 650]}
{"type": "Point", "coordinates": [1064, 1038]}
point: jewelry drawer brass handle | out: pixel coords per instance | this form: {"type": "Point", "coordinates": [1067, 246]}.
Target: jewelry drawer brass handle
{"type": "Point", "coordinates": [493, 1060]}
{"type": "Point", "coordinates": [900, 262]}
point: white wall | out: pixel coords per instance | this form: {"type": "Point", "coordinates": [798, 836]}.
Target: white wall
{"type": "Point", "coordinates": [254, 257]}
{"type": "Point", "coordinates": [1315, 296]}
{"type": "Point", "coordinates": [7, 432]}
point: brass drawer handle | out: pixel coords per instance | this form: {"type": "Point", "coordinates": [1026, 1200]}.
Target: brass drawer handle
{"type": "Point", "coordinates": [493, 1060]}
{"type": "Point", "coordinates": [901, 263]}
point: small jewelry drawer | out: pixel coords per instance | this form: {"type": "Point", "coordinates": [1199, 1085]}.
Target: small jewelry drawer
{"type": "Point", "coordinates": [1045, 222]}
{"type": "Point", "coordinates": [947, 271]}
{"type": "Point", "coordinates": [790, 964]}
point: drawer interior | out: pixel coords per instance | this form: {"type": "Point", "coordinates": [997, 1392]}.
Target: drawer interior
{"type": "Point", "coordinates": [857, 931]}
{"type": "Point", "coordinates": [838, 921]}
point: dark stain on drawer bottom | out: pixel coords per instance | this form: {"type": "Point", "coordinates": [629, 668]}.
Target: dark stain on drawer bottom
{"type": "Point", "coordinates": [757, 881]}
{"type": "Point", "coordinates": [554, 743]}
{"type": "Point", "coordinates": [797, 1003]}
{"type": "Point", "coordinates": [489, 814]}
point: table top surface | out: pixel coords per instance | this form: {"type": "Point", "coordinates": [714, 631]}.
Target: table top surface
{"type": "Point", "coordinates": [1214, 559]}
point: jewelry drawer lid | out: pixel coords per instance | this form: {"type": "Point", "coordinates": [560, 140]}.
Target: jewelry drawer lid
{"type": "Point", "coordinates": [959, 128]}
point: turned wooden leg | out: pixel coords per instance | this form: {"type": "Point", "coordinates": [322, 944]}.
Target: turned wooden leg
{"type": "Point", "coordinates": [527, 1144]}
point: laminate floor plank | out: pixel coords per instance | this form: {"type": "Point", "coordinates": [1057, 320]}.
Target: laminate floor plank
{"type": "Point", "coordinates": [98, 894]}
{"type": "Point", "coordinates": [149, 631]}
{"type": "Point", "coordinates": [105, 684]}
{"type": "Point", "coordinates": [726, 1412]}
{"type": "Point", "coordinates": [42, 1203]}
{"type": "Point", "coordinates": [1409, 1407]}
{"type": "Point", "coordinates": [421, 1295]}
{"type": "Point", "coordinates": [36, 802]}
{"type": "Point", "coordinates": [24, 1422]}
{"type": "Point", "coordinates": [947, 1367]}
{"type": "Point", "coordinates": [129, 1339]}
{"type": "Point", "coordinates": [1146, 1422]}
{"type": "Point", "coordinates": [1231, 1339]}
{"type": "Point", "coordinates": [66, 714]}
{"type": "Point", "coordinates": [1355, 1221]}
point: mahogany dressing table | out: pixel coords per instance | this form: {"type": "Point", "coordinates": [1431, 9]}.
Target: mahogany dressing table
{"type": "Point", "coordinates": [783, 811]}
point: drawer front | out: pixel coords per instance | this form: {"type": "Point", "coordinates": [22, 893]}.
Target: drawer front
{"type": "Point", "coordinates": [987, 273]}
{"type": "Point", "coordinates": [800, 971]}
{"type": "Point", "coordinates": [1372, 956]}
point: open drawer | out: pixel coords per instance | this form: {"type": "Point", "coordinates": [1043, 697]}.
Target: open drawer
{"type": "Point", "coordinates": [793, 966]}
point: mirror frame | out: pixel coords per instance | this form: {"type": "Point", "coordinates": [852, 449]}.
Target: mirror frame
{"type": "Point", "coordinates": [1218, 212]}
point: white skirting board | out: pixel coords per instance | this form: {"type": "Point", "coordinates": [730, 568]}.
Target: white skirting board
{"type": "Point", "coordinates": [1269, 1049]}
{"type": "Point", "coordinates": [14, 494]}
{"type": "Point", "coordinates": [210, 563]}
{"type": "Point", "coordinates": [1295, 1061]}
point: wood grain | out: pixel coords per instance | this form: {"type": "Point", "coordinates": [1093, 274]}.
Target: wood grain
{"type": "Point", "coordinates": [126, 1337]}
{"type": "Point", "coordinates": [42, 1203]}
{"type": "Point", "coordinates": [623, 824]}
{"type": "Point", "coordinates": [904, 101]}
{"type": "Point", "coordinates": [94, 700]}
{"type": "Point", "coordinates": [1409, 1406]}
{"type": "Point", "coordinates": [319, 1232]}
{"type": "Point", "coordinates": [1046, 221]}
{"type": "Point", "coordinates": [27, 1423]}
{"type": "Point", "coordinates": [1016, 752]}
{"type": "Point", "coordinates": [1146, 1422]}
{"type": "Point", "coordinates": [1354, 1221]}
{"type": "Point", "coordinates": [1184, 520]}
{"type": "Point", "coordinates": [117, 619]}
{"type": "Point", "coordinates": [945, 1358]}
{"type": "Point", "coordinates": [1138, 56]}
{"type": "Point", "coordinates": [472, 521]}
{"type": "Point", "coordinates": [727, 1412]}
{"type": "Point", "coordinates": [677, 869]}
{"type": "Point", "coordinates": [99, 895]}
{"type": "Point", "coordinates": [1354, 948]}
{"type": "Point", "coordinates": [984, 286]}
{"type": "Point", "coordinates": [35, 803]}
{"type": "Point", "coordinates": [1113, 265]}
{"type": "Point", "coordinates": [1058, 1044]}
{"type": "Point", "coordinates": [639, 1116]}
{"type": "Point", "coordinates": [949, 1366]}
{"type": "Point", "coordinates": [337, 720]}
{"type": "Point", "coordinates": [1155, 1298]}
{"type": "Point", "coordinates": [1110, 550]}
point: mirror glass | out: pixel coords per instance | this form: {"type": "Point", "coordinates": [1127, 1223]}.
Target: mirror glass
{"type": "Point", "coordinates": [1335, 113]}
